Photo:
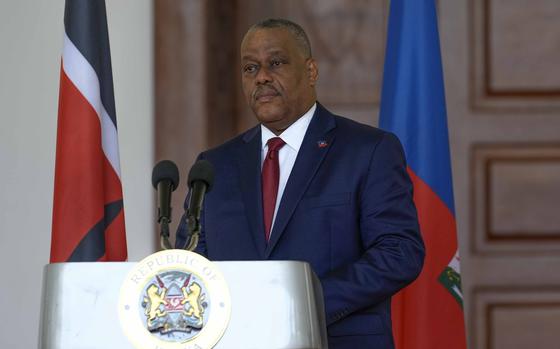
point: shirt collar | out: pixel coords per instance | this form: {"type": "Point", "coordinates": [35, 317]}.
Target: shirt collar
{"type": "Point", "coordinates": [293, 135]}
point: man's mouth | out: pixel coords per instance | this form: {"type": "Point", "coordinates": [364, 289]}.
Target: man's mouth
{"type": "Point", "coordinates": [265, 95]}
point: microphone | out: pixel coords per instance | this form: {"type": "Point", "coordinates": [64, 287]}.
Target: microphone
{"type": "Point", "coordinates": [165, 179]}
{"type": "Point", "coordinates": [201, 179]}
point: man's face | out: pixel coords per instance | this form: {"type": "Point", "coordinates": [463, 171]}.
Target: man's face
{"type": "Point", "coordinates": [278, 80]}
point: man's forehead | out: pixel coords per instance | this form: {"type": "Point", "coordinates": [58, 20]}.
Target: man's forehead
{"type": "Point", "coordinates": [269, 40]}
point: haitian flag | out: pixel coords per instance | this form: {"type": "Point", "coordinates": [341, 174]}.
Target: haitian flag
{"type": "Point", "coordinates": [88, 217]}
{"type": "Point", "coordinates": [427, 314]}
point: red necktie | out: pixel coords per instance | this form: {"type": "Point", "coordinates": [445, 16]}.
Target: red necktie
{"type": "Point", "coordinates": [270, 177]}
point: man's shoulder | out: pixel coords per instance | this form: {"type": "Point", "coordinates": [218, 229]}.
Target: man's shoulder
{"type": "Point", "coordinates": [354, 131]}
{"type": "Point", "coordinates": [356, 128]}
{"type": "Point", "coordinates": [353, 135]}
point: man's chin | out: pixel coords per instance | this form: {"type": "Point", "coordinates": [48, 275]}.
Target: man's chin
{"type": "Point", "coordinates": [267, 113]}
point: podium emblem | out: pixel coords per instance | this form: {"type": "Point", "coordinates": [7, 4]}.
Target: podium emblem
{"type": "Point", "coordinates": [174, 299]}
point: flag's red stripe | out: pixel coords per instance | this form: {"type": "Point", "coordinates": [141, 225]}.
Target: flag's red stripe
{"type": "Point", "coordinates": [438, 227]}
{"type": "Point", "coordinates": [444, 327]}
{"type": "Point", "coordinates": [84, 180]}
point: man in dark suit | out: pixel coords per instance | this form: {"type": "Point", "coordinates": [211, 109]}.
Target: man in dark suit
{"type": "Point", "coordinates": [312, 186]}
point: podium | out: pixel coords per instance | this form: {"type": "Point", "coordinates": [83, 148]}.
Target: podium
{"type": "Point", "coordinates": [274, 305]}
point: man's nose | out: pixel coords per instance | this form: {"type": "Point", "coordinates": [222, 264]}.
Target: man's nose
{"type": "Point", "coordinates": [263, 76]}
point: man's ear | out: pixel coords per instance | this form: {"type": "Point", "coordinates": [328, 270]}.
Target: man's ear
{"type": "Point", "coordinates": [312, 71]}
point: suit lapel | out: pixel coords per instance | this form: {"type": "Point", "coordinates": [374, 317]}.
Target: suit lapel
{"type": "Point", "coordinates": [314, 148]}
{"type": "Point", "coordinates": [249, 163]}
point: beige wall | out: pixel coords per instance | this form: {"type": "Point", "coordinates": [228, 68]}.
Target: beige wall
{"type": "Point", "coordinates": [31, 35]}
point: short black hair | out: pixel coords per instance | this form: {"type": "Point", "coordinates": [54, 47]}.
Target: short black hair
{"type": "Point", "coordinates": [295, 29]}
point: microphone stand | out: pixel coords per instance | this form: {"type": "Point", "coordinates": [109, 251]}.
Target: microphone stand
{"type": "Point", "coordinates": [198, 190]}
{"type": "Point", "coordinates": [193, 230]}
{"type": "Point", "coordinates": [164, 234]}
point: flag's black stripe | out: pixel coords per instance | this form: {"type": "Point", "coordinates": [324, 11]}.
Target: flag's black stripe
{"type": "Point", "coordinates": [92, 246]}
{"type": "Point", "coordinates": [85, 23]}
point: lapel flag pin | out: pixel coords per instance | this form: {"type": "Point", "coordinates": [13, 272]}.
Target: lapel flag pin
{"type": "Point", "coordinates": [322, 144]}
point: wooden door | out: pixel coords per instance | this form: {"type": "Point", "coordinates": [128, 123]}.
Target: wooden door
{"type": "Point", "coordinates": [502, 61]}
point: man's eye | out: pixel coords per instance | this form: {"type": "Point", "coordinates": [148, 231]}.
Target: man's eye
{"type": "Point", "coordinates": [276, 63]}
{"type": "Point", "coordinates": [250, 69]}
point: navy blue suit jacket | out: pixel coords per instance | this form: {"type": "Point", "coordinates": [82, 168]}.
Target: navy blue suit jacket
{"type": "Point", "coordinates": [347, 209]}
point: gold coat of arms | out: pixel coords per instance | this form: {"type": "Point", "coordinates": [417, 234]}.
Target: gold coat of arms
{"type": "Point", "coordinates": [174, 299]}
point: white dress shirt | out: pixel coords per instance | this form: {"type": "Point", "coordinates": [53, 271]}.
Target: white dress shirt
{"type": "Point", "coordinates": [293, 137]}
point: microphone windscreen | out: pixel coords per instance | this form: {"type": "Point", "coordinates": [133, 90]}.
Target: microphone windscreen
{"type": "Point", "coordinates": [202, 170]}
{"type": "Point", "coordinates": [165, 170]}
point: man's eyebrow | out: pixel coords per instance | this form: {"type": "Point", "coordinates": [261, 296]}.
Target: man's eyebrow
{"type": "Point", "coordinates": [248, 58]}
{"type": "Point", "coordinates": [269, 53]}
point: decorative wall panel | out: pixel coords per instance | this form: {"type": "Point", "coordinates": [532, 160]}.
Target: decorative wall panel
{"type": "Point", "coordinates": [516, 50]}
{"type": "Point", "coordinates": [516, 318]}
{"type": "Point", "coordinates": [516, 197]}
{"type": "Point", "coordinates": [349, 45]}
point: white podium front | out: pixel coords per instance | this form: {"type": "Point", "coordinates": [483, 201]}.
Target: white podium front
{"type": "Point", "coordinates": [274, 305]}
